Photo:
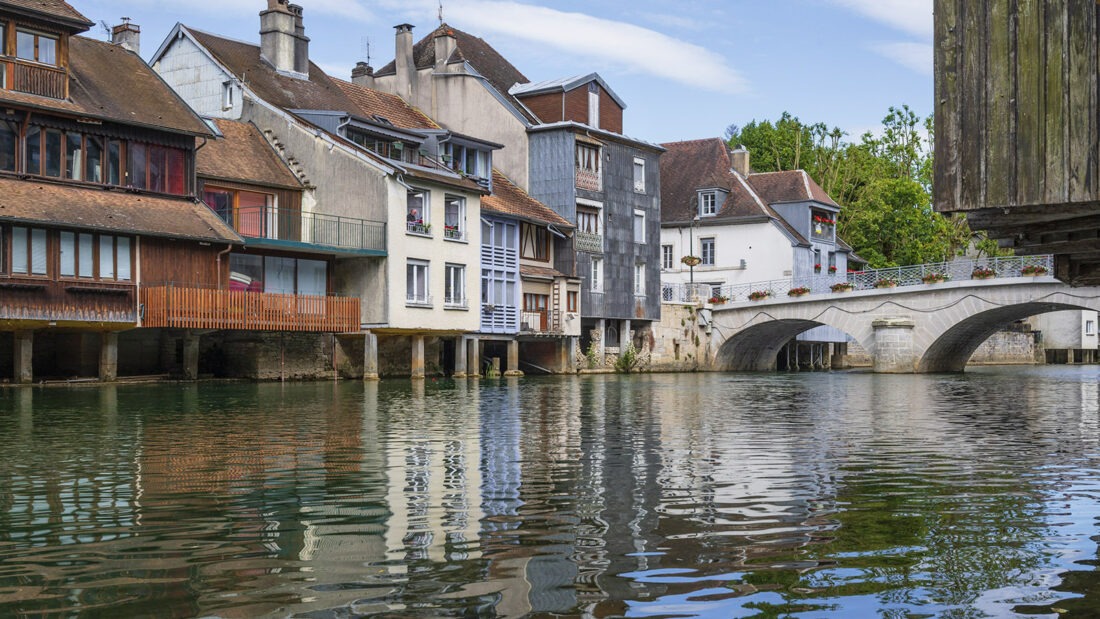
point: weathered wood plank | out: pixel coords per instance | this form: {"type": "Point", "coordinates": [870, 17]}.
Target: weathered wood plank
{"type": "Point", "coordinates": [1082, 68]}
{"type": "Point", "coordinates": [1056, 101]}
{"type": "Point", "coordinates": [1030, 102]}
{"type": "Point", "coordinates": [945, 183]}
{"type": "Point", "coordinates": [972, 130]}
{"type": "Point", "coordinates": [1000, 95]}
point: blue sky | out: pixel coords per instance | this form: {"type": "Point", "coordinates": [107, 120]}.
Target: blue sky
{"type": "Point", "coordinates": [686, 69]}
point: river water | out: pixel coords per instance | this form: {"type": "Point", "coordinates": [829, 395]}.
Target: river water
{"type": "Point", "coordinates": [693, 495]}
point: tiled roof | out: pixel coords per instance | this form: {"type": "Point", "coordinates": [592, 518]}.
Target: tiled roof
{"type": "Point", "coordinates": [56, 9]}
{"type": "Point", "coordinates": [114, 84]}
{"type": "Point", "coordinates": [789, 186]}
{"type": "Point", "coordinates": [527, 270]}
{"type": "Point", "coordinates": [243, 155]}
{"type": "Point", "coordinates": [488, 62]}
{"type": "Point", "coordinates": [58, 204]}
{"type": "Point", "coordinates": [508, 199]}
{"type": "Point", "coordinates": [372, 102]}
{"type": "Point", "coordinates": [687, 167]}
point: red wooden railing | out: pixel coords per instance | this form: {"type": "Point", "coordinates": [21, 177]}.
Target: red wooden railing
{"type": "Point", "coordinates": [204, 308]}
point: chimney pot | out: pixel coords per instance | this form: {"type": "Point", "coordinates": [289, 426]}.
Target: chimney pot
{"type": "Point", "coordinates": [739, 159]}
{"type": "Point", "coordinates": [127, 35]}
{"type": "Point", "coordinates": [363, 74]}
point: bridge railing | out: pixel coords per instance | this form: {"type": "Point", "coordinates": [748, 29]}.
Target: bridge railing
{"type": "Point", "coordinates": [915, 275]}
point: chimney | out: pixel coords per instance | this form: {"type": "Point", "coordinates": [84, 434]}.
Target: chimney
{"type": "Point", "coordinates": [363, 74]}
{"type": "Point", "coordinates": [445, 44]}
{"type": "Point", "coordinates": [739, 159]}
{"type": "Point", "coordinates": [405, 64]}
{"type": "Point", "coordinates": [127, 35]}
{"type": "Point", "coordinates": [283, 43]}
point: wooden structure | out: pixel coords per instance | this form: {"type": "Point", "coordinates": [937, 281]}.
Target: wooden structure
{"type": "Point", "coordinates": [205, 308]}
{"type": "Point", "coordinates": [1017, 146]}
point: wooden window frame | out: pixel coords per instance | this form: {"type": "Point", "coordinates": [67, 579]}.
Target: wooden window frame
{"type": "Point", "coordinates": [571, 300]}
{"type": "Point", "coordinates": [38, 34]}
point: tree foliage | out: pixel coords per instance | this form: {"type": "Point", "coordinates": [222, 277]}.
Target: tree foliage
{"type": "Point", "coordinates": [883, 182]}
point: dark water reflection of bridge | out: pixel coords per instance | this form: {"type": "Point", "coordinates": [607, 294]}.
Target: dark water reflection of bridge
{"type": "Point", "coordinates": [839, 494]}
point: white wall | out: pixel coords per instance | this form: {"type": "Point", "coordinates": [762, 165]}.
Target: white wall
{"type": "Point", "coordinates": [197, 79]}
{"type": "Point", "coordinates": [767, 253]}
{"type": "Point", "coordinates": [1066, 330]}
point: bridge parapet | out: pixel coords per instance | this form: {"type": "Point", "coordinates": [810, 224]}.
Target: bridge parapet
{"type": "Point", "coordinates": [895, 277]}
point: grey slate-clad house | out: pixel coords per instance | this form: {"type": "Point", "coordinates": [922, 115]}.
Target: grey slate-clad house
{"type": "Point", "coordinates": [564, 144]}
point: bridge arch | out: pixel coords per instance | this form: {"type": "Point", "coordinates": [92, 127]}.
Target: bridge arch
{"type": "Point", "coordinates": [756, 347]}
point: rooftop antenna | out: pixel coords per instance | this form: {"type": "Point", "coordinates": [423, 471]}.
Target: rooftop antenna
{"type": "Point", "coordinates": [440, 12]}
{"type": "Point", "coordinates": [106, 28]}
{"type": "Point", "coordinates": [366, 47]}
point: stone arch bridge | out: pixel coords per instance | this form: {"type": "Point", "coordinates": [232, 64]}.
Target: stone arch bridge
{"type": "Point", "coordinates": [913, 329]}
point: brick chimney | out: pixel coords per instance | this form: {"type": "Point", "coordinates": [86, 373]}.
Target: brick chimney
{"type": "Point", "coordinates": [127, 35]}
{"type": "Point", "coordinates": [445, 44]}
{"type": "Point", "coordinates": [407, 80]}
{"type": "Point", "coordinates": [739, 159]}
{"type": "Point", "coordinates": [283, 43]}
{"type": "Point", "coordinates": [363, 74]}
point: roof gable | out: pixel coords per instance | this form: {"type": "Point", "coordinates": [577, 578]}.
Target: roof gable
{"type": "Point", "coordinates": [243, 155]}
{"type": "Point", "coordinates": [509, 200]}
{"type": "Point", "coordinates": [564, 85]}
{"type": "Point", "coordinates": [687, 167]}
{"type": "Point", "coordinates": [789, 186]}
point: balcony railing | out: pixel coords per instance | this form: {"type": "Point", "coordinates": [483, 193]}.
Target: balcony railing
{"type": "Point", "coordinates": [418, 227]}
{"type": "Point", "coordinates": [586, 241]}
{"type": "Point", "coordinates": [205, 308]}
{"type": "Point", "coordinates": [333, 231]}
{"type": "Point", "coordinates": [419, 300]}
{"type": "Point", "coordinates": [36, 79]}
{"type": "Point", "coordinates": [587, 179]}
{"type": "Point", "coordinates": [453, 233]}
{"type": "Point", "coordinates": [537, 321]}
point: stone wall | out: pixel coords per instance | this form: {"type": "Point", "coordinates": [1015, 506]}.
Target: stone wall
{"type": "Point", "coordinates": [267, 356]}
{"type": "Point", "coordinates": [677, 343]}
{"type": "Point", "coordinates": [1003, 348]}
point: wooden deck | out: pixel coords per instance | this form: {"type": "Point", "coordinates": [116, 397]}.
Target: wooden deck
{"type": "Point", "coordinates": [201, 308]}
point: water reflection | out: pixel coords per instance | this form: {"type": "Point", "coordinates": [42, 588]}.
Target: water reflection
{"type": "Point", "coordinates": [681, 495]}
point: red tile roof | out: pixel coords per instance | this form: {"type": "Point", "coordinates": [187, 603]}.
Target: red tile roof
{"type": "Point", "coordinates": [789, 186]}
{"type": "Point", "coordinates": [527, 270]}
{"type": "Point", "coordinates": [372, 102]}
{"type": "Point", "coordinates": [91, 208]}
{"type": "Point", "coordinates": [111, 83]}
{"type": "Point", "coordinates": [50, 10]}
{"type": "Point", "coordinates": [243, 155]}
{"type": "Point", "coordinates": [687, 167]}
{"type": "Point", "coordinates": [508, 199]}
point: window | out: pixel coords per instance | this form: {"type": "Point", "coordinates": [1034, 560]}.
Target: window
{"type": "Point", "coordinates": [468, 161]}
{"type": "Point", "coordinates": [156, 168]}
{"type": "Point", "coordinates": [666, 257]}
{"type": "Point", "coordinates": [588, 166]}
{"type": "Point", "coordinates": [9, 137]}
{"type": "Point", "coordinates": [416, 283]}
{"type": "Point", "coordinates": [639, 226]}
{"type": "Point", "coordinates": [416, 212]}
{"type": "Point", "coordinates": [588, 220]}
{"type": "Point", "coordinates": [37, 47]}
{"type": "Point", "coordinates": [77, 256]}
{"type": "Point", "coordinates": [535, 302]}
{"type": "Point", "coordinates": [707, 251]}
{"type": "Point", "coordinates": [571, 301]}
{"type": "Point", "coordinates": [28, 251]}
{"type": "Point", "coordinates": [227, 95]}
{"type": "Point", "coordinates": [454, 294]}
{"type": "Point", "coordinates": [639, 175]}
{"type": "Point", "coordinates": [1090, 327]}
{"type": "Point", "coordinates": [708, 204]}
{"type": "Point", "coordinates": [74, 155]}
{"type": "Point", "coordinates": [250, 213]}
{"type": "Point", "coordinates": [535, 242]}
{"type": "Point", "coordinates": [594, 105]}
{"type": "Point", "coordinates": [597, 275]}
{"type": "Point", "coordinates": [832, 262]}
{"type": "Point", "coordinates": [454, 218]}
{"type": "Point", "coordinates": [639, 279]}
{"type": "Point", "coordinates": [277, 275]}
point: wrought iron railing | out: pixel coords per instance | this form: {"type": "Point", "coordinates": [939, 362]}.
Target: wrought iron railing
{"type": "Point", "coordinates": [534, 320]}
{"type": "Point", "coordinates": [587, 179]}
{"type": "Point", "coordinates": [454, 233]}
{"type": "Point", "coordinates": [916, 275]}
{"type": "Point", "coordinates": [586, 241]}
{"type": "Point", "coordinates": [265, 222]}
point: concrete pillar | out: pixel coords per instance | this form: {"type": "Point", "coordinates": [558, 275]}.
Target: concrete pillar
{"type": "Point", "coordinates": [473, 357]}
{"type": "Point", "coordinates": [23, 357]}
{"type": "Point", "coordinates": [625, 337]}
{"type": "Point", "coordinates": [840, 356]}
{"type": "Point", "coordinates": [108, 356]}
{"type": "Point", "coordinates": [513, 359]}
{"type": "Point", "coordinates": [567, 359]}
{"type": "Point", "coordinates": [370, 356]}
{"type": "Point", "coordinates": [417, 357]}
{"type": "Point", "coordinates": [190, 355]}
{"type": "Point", "coordinates": [460, 357]}
{"type": "Point", "coordinates": [601, 354]}
{"type": "Point", "coordinates": [894, 349]}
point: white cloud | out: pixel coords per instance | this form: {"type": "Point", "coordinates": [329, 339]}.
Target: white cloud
{"type": "Point", "coordinates": [912, 16]}
{"type": "Point", "coordinates": [594, 39]}
{"type": "Point", "coordinates": [351, 9]}
{"type": "Point", "coordinates": [916, 56]}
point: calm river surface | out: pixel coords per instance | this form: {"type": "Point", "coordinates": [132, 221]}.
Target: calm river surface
{"type": "Point", "coordinates": [713, 495]}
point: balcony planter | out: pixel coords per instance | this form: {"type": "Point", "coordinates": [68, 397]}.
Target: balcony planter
{"type": "Point", "coordinates": [832, 269]}
{"type": "Point", "coordinates": [886, 282]}
{"type": "Point", "coordinates": [717, 300]}
{"type": "Point", "coordinates": [841, 287]}
{"type": "Point", "coordinates": [1033, 270]}
{"type": "Point", "coordinates": [933, 278]}
{"type": "Point", "coordinates": [983, 273]}
{"type": "Point", "coordinates": [759, 295]}
{"type": "Point", "coordinates": [798, 292]}
{"type": "Point", "coordinates": [817, 268]}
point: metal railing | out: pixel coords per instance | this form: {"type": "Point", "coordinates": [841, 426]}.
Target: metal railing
{"type": "Point", "coordinates": [265, 222]}
{"type": "Point", "coordinates": [587, 179]}
{"type": "Point", "coordinates": [586, 241]}
{"type": "Point", "coordinates": [895, 277]}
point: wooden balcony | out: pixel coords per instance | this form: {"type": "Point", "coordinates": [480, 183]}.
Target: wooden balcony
{"type": "Point", "coordinates": [35, 79]}
{"type": "Point", "coordinates": [204, 308]}
{"type": "Point", "coordinates": [35, 301]}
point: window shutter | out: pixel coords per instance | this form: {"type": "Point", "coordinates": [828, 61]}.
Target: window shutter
{"type": "Point", "coordinates": [38, 251]}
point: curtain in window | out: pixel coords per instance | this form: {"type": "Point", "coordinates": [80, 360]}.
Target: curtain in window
{"type": "Point", "coordinates": [68, 254]}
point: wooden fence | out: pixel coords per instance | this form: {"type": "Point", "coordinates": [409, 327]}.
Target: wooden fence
{"type": "Point", "coordinates": [202, 308]}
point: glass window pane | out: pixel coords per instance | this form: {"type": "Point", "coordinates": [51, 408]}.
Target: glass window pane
{"type": "Point", "coordinates": [279, 275]}
{"type": "Point", "coordinates": [8, 137]}
{"type": "Point", "coordinates": [19, 262]}
{"type": "Point", "coordinates": [24, 45]}
{"type": "Point", "coordinates": [136, 165]}
{"type": "Point", "coordinates": [33, 143]}
{"type": "Point", "coordinates": [38, 251]}
{"type": "Point", "coordinates": [123, 258]}
{"type": "Point", "coordinates": [68, 254]}
{"type": "Point", "coordinates": [311, 277]}
{"type": "Point", "coordinates": [158, 158]}
{"type": "Point", "coordinates": [47, 49]}
{"type": "Point", "coordinates": [106, 257]}
{"type": "Point", "coordinates": [52, 159]}
{"type": "Point", "coordinates": [176, 173]}
{"type": "Point", "coordinates": [85, 262]}
{"type": "Point", "coordinates": [94, 167]}
{"type": "Point", "coordinates": [73, 156]}
{"type": "Point", "coordinates": [246, 272]}
{"type": "Point", "coordinates": [114, 163]}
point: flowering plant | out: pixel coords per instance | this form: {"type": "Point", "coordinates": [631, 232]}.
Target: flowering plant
{"type": "Point", "coordinates": [798, 292]}
{"type": "Point", "coordinates": [832, 268]}
{"type": "Point", "coordinates": [983, 273]}
{"type": "Point", "coordinates": [933, 278]}
{"type": "Point", "coordinates": [819, 219]}
{"type": "Point", "coordinates": [1033, 269]}
{"type": "Point", "coordinates": [817, 268]}
{"type": "Point", "coordinates": [717, 299]}
{"type": "Point", "coordinates": [841, 287]}
{"type": "Point", "coordinates": [691, 261]}
{"type": "Point", "coordinates": [759, 295]}
{"type": "Point", "coordinates": [886, 282]}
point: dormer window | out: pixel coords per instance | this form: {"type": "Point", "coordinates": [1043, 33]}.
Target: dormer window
{"type": "Point", "coordinates": [469, 161]}
{"type": "Point", "coordinates": [822, 225]}
{"type": "Point", "coordinates": [708, 203]}
{"type": "Point", "coordinates": [30, 45]}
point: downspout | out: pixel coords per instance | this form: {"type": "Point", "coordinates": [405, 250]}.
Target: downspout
{"type": "Point", "coordinates": [219, 263]}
